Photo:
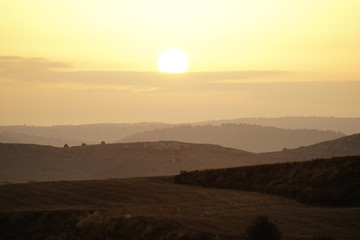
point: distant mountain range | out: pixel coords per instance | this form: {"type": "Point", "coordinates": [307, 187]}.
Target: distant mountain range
{"type": "Point", "coordinates": [15, 137]}
{"type": "Point", "coordinates": [247, 137]}
{"type": "Point", "coordinates": [25, 162]}
{"type": "Point", "coordinates": [344, 125]}
{"type": "Point", "coordinates": [73, 134]}
{"type": "Point", "coordinates": [95, 133]}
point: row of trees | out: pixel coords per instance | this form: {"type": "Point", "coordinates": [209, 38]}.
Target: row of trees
{"type": "Point", "coordinates": [83, 144]}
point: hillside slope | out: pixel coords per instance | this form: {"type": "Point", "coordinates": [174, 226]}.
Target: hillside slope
{"type": "Point", "coordinates": [334, 182]}
{"type": "Point", "coordinates": [26, 162]}
{"type": "Point", "coordinates": [22, 163]}
{"type": "Point", "coordinates": [345, 146]}
{"type": "Point", "coordinates": [253, 138]}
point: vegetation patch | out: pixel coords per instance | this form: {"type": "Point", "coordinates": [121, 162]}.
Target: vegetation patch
{"type": "Point", "coordinates": [262, 229]}
{"type": "Point", "coordinates": [326, 182]}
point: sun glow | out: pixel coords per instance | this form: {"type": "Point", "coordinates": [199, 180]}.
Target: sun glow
{"type": "Point", "coordinates": [173, 61]}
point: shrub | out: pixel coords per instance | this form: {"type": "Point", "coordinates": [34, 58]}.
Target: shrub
{"type": "Point", "coordinates": [66, 146]}
{"type": "Point", "coordinates": [102, 142]}
{"type": "Point", "coordinates": [262, 229]}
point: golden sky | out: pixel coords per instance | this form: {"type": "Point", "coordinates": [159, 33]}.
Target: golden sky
{"type": "Point", "coordinates": [96, 61]}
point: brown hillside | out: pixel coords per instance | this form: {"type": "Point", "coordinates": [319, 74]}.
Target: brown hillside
{"type": "Point", "coordinates": [345, 146]}
{"type": "Point", "coordinates": [22, 163]}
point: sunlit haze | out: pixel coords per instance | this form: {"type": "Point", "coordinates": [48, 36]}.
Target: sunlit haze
{"type": "Point", "coordinates": [72, 62]}
{"type": "Point", "coordinates": [173, 61]}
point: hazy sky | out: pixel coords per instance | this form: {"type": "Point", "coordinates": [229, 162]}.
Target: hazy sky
{"type": "Point", "coordinates": [80, 61]}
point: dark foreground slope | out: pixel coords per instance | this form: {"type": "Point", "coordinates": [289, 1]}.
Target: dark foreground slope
{"type": "Point", "coordinates": [157, 208]}
{"type": "Point", "coordinates": [91, 224]}
{"type": "Point", "coordinates": [334, 182]}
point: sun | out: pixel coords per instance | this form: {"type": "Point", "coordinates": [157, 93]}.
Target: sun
{"type": "Point", "coordinates": [173, 60]}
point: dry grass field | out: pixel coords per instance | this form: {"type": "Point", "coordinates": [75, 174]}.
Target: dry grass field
{"type": "Point", "coordinates": [157, 208]}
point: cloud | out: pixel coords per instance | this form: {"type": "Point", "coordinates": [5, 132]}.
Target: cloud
{"type": "Point", "coordinates": [41, 70]}
{"type": "Point", "coordinates": [11, 64]}
{"type": "Point", "coordinates": [94, 87]}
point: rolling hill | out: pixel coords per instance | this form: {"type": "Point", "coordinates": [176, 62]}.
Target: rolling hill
{"type": "Point", "coordinates": [247, 137]}
{"type": "Point", "coordinates": [26, 162]}
{"type": "Point", "coordinates": [345, 146]}
{"type": "Point", "coordinates": [22, 162]}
